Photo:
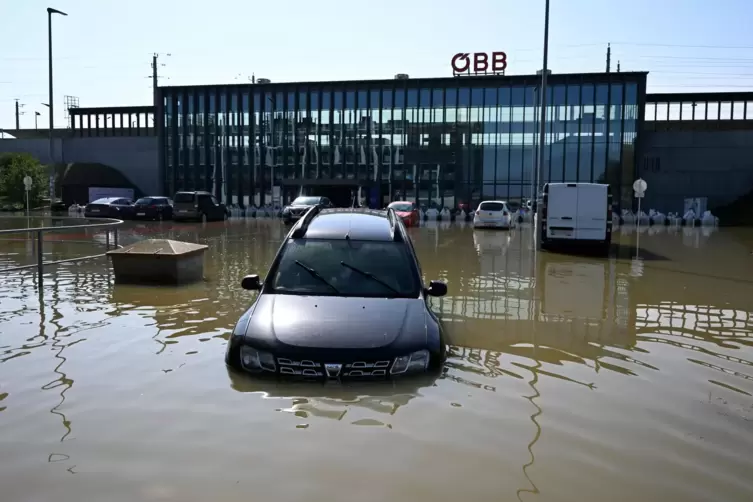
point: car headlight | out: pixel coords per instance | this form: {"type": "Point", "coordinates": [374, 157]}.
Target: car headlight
{"type": "Point", "coordinates": [418, 361]}
{"type": "Point", "coordinates": [285, 210]}
{"type": "Point", "coordinates": [257, 360]}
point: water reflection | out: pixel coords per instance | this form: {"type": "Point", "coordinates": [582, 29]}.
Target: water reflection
{"type": "Point", "coordinates": [334, 400]}
{"type": "Point", "coordinates": [621, 368]}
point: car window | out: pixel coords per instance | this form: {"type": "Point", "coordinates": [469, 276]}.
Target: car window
{"type": "Point", "coordinates": [144, 200]}
{"type": "Point", "coordinates": [184, 198]}
{"type": "Point", "coordinates": [105, 200]}
{"type": "Point", "coordinates": [390, 262]}
{"type": "Point", "coordinates": [306, 201]}
{"type": "Point", "coordinates": [402, 206]}
{"type": "Point", "coordinates": [491, 206]}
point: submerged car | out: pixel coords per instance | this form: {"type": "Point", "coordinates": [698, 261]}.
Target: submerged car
{"type": "Point", "coordinates": [297, 208]}
{"type": "Point", "coordinates": [343, 298]}
{"type": "Point", "coordinates": [109, 207]}
{"type": "Point", "coordinates": [153, 208]}
{"type": "Point", "coordinates": [493, 214]}
{"type": "Point", "coordinates": [407, 211]}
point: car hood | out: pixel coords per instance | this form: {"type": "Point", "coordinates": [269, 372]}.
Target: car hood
{"type": "Point", "coordinates": [336, 322]}
{"type": "Point", "coordinates": [301, 206]}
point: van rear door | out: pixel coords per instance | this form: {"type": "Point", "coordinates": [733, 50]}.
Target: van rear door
{"type": "Point", "coordinates": [592, 211]}
{"type": "Point", "coordinates": [562, 210]}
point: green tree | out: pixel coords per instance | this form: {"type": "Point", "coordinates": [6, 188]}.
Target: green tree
{"type": "Point", "coordinates": [13, 168]}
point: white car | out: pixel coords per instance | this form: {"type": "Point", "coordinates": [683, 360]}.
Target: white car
{"type": "Point", "coordinates": [493, 214]}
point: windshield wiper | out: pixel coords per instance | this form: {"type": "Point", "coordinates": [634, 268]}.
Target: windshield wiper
{"type": "Point", "coordinates": [317, 275]}
{"type": "Point", "coordinates": [371, 276]}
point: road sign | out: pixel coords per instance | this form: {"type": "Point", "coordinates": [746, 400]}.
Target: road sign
{"type": "Point", "coordinates": [27, 183]}
{"type": "Point", "coordinates": [640, 186]}
{"type": "Point", "coordinates": [639, 195]}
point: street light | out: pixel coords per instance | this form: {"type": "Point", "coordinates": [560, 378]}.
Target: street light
{"type": "Point", "coordinates": [50, 12]}
{"type": "Point", "coordinates": [542, 125]}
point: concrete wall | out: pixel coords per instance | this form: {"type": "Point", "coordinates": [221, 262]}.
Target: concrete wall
{"type": "Point", "coordinates": [135, 157]}
{"type": "Point", "coordinates": [683, 164]}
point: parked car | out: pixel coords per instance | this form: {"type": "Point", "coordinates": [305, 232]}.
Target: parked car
{"type": "Point", "coordinates": [109, 207]}
{"type": "Point", "coordinates": [153, 208]}
{"type": "Point", "coordinates": [493, 214]}
{"type": "Point", "coordinates": [407, 211]}
{"type": "Point", "coordinates": [344, 298]}
{"type": "Point", "coordinates": [198, 206]}
{"type": "Point", "coordinates": [300, 205]}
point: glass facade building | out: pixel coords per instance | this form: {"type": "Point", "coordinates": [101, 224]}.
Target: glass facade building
{"type": "Point", "coordinates": [438, 141]}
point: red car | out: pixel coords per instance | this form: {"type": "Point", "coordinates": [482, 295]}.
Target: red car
{"type": "Point", "coordinates": [407, 211]}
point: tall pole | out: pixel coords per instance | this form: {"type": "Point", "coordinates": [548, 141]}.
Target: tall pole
{"type": "Point", "coordinates": [18, 118]}
{"type": "Point", "coordinates": [50, 12]}
{"type": "Point", "coordinates": [542, 124]}
{"type": "Point", "coordinates": [154, 79]}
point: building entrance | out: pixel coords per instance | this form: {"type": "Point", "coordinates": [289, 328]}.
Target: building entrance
{"type": "Point", "coordinates": [340, 195]}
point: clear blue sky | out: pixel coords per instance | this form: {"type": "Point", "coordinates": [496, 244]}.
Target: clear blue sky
{"type": "Point", "coordinates": [103, 48]}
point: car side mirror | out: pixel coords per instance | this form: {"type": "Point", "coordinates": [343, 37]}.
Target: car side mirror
{"type": "Point", "coordinates": [251, 283]}
{"type": "Point", "coordinates": [436, 288]}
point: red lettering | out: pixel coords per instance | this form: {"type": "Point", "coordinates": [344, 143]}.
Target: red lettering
{"type": "Point", "coordinates": [499, 61]}
{"type": "Point", "coordinates": [460, 62]}
{"type": "Point", "coordinates": [480, 62]}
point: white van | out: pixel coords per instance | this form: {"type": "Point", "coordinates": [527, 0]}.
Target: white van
{"type": "Point", "coordinates": [576, 213]}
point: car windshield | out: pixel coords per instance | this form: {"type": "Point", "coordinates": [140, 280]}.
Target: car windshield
{"type": "Point", "coordinates": [491, 206]}
{"type": "Point", "coordinates": [306, 201]}
{"type": "Point", "coordinates": [106, 200]}
{"type": "Point", "coordinates": [402, 207]}
{"type": "Point", "coordinates": [346, 268]}
{"type": "Point", "coordinates": [183, 198]}
{"type": "Point", "coordinates": [144, 200]}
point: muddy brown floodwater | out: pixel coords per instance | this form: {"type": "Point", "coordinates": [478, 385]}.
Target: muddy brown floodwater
{"type": "Point", "coordinates": [568, 379]}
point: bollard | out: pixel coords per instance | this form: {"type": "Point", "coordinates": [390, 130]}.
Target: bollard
{"type": "Point", "coordinates": [40, 257]}
{"type": "Point", "coordinates": [115, 236]}
{"type": "Point", "coordinates": [107, 240]}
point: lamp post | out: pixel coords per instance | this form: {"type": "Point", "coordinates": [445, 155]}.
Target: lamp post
{"type": "Point", "coordinates": [542, 124]}
{"type": "Point", "coordinates": [50, 12]}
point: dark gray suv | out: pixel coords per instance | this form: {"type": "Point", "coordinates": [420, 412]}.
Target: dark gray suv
{"type": "Point", "coordinates": [297, 208]}
{"type": "Point", "coordinates": [343, 298]}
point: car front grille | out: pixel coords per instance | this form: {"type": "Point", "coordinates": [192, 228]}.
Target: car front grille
{"type": "Point", "coordinates": [317, 369]}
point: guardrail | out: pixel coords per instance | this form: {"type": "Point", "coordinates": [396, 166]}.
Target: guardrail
{"type": "Point", "coordinates": [39, 231]}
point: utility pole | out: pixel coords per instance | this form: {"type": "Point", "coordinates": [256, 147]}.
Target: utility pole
{"type": "Point", "coordinates": [618, 67]}
{"type": "Point", "coordinates": [18, 114]}
{"type": "Point", "coordinates": [542, 125]}
{"type": "Point", "coordinates": [155, 77]}
{"type": "Point", "coordinates": [609, 58]}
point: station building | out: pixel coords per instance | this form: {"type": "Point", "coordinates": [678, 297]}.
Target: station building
{"type": "Point", "coordinates": [438, 141]}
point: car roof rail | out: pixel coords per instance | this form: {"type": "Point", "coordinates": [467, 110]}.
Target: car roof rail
{"type": "Point", "coordinates": [300, 231]}
{"type": "Point", "coordinates": [397, 235]}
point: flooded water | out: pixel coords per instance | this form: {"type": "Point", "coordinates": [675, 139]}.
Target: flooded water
{"type": "Point", "coordinates": [569, 379]}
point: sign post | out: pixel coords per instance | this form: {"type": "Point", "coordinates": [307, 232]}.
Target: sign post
{"type": "Point", "coordinates": [27, 187]}
{"type": "Point", "coordinates": [639, 187]}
